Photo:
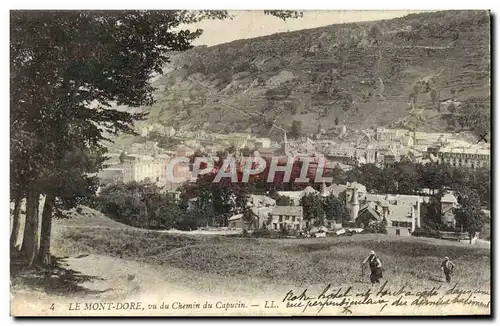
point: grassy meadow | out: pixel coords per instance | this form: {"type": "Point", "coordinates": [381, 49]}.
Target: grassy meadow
{"type": "Point", "coordinates": [293, 262]}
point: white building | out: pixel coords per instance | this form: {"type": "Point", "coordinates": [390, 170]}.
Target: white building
{"type": "Point", "coordinates": [469, 157]}
{"type": "Point", "coordinates": [296, 196]}
{"type": "Point", "coordinates": [262, 143]}
{"type": "Point", "coordinates": [158, 170]}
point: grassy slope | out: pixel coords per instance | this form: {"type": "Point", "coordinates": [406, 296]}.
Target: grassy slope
{"type": "Point", "coordinates": [292, 262]}
{"type": "Point", "coordinates": [295, 64]}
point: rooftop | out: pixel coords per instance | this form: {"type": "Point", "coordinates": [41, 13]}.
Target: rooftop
{"type": "Point", "coordinates": [287, 210]}
{"type": "Point", "coordinates": [256, 199]}
{"type": "Point", "coordinates": [401, 213]}
{"type": "Point", "coordinates": [449, 198]}
{"type": "Point", "coordinates": [235, 217]}
{"type": "Point", "coordinates": [465, 150]}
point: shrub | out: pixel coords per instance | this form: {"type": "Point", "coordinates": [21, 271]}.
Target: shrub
{"type": "Point", "coordinates": [186, 223]}
{"type": "Point", "coordinates": [284, 232]}
{"type": "Point", "coordinates": [426, 232]}
{"type": "Point", "coordinates": [377, 227]}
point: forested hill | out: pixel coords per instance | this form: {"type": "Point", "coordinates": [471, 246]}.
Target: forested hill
{"type": "Point", "coordinates": [364, 74]}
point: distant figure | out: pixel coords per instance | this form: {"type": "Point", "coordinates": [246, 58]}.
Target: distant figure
{"type": "Point", "coordinates": [447, 267]}
{"type": "Point", "coordinates": [375, 267]}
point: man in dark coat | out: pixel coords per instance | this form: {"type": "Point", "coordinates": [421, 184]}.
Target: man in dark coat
{"type": "Point", "coordinates": [447, 267]}
{"type": "Point", "coordinates": [375, 267]}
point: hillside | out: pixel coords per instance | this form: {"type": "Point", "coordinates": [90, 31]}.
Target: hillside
{"type": "Point", "coordinates": [118, 265]}
{"type": "Point", "coordinates": [364, 74]}
{"type": "Point", "coordinates": [282, 262]}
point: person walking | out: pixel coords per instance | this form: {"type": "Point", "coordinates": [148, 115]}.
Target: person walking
{"type": "Point", "coordinates": [447, 267]}
{"type": "Point", "coordinates": [375, 267]}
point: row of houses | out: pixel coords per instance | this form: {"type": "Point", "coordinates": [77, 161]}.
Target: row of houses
{"type": "Point", "coordinates": [402, 213]}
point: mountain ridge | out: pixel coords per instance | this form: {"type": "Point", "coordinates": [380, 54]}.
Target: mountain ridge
{"type": "Point", "coordinates": [399, 73]}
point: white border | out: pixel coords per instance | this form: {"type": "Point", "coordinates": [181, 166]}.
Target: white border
{"type": "Point", "coordinates": [189, 4]}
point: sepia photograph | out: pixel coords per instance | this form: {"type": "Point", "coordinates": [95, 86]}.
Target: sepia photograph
{"type": "Point", "coordinates": [250, 163]}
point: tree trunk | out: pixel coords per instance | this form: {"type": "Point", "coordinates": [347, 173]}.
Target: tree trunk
{"type": "Point", "coordinates": [15, 221]}
{"type": "Point", "coordinates": [44, 252]}
{"type": "Point", "coordinates": [29, 247]}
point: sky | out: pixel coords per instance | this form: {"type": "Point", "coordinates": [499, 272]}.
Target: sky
{"type": "Point", "coordinates": [254, 23]}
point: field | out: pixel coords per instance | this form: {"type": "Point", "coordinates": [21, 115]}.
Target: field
{"type": "Point", "coordinates": [291, 262]}
{"type": "Point", "coordinates": [99, 259]}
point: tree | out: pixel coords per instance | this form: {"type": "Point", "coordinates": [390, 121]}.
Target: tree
{"type": "Point", "coordinates": [284, 14]}
{"type": "Point", "coordinates": [246, 151]}
{"type": "Point", "coordinates": [469, 216]}
{"type": "Point", "coordinates": [406, 177]}
{"type": "Point", "coordinates": [140, 204]}
{"type": "Point", "coordinates": [434, 96]}
{"type": "Point", "coordinates": [473, 115]}
{"type": "Point", "coordinates": [431, 214]}
{"type": "Point", "coordinates": [283, 201]}
{"type": "Point", "coordinates": [61, 63]}
{"type": "Point", "coordinates": [335, 209]}
{"type": "Point", "coordinates": [313, 208]}
{"type": "Point", "coordinates": [248, 217]}
{"type": "Point", "coordinates": [122, 157]}
{"type": "Point", "coordinates": [338, 175]}
{"type": "Point", "coordinates": [296, 130]}
{"type": "Point", "coordinates": [231, 149]}
{"type": "Point", "coordinates": [375, 34]}
{"type": "Point", "coordinates": [412, 98]}
{"type": "Point", "coordinates": [69, 181]}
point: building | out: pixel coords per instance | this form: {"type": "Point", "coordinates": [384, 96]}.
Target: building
{"type": "Point", "coordinates": [273, 218]}
{"type": "Point", "coordinates": [398, 199]}
{"type": "Point", "coordinates": [382, 134]}
{"type": "Point", "coordinates": [401, 213]}
{"type": "Point", "coordinates": [449, 204]}
{"type": "Point", "coordinates": [184, 151]}
{"type": "Point", "coordinates": [354, 204]}
{"type": "Point", "coordinates": [344, 154]}
{"type": "Point", "coordinates": [192, 202]}
{"type": "Point", "coordinates": [142, 167]}
{"type": "Point", "coordinates": [260, 201]}
{"type": "Point", "coordinates": [389, 159]}
{"type": "Point", "coordinates": [262, 143]}
{"type": "Point", "coordinates": [471, 157]}
{"type": "Point", "coordinates": [159, 170]}
{"type": "Point", "coordinates": [286, 217]}
{"type": "Point", "coordinates": [400, 218]}
{"type": "Point", "coordinates": [354, 189]}
{"type": "Point", "coordinates": [296, 196]}
{"type": "Point", "coordinates": [366, 155]}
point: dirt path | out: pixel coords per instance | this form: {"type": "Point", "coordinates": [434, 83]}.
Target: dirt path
{"type": "Point", "coordinates": [120, 279]}
{"type": "Point", "coordinates": [108, 279]}
{"type": "Point", "coordinates": [103, 277]}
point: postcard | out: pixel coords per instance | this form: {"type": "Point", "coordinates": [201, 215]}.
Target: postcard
{"type": "Point", "coordinates": [250, 163]}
